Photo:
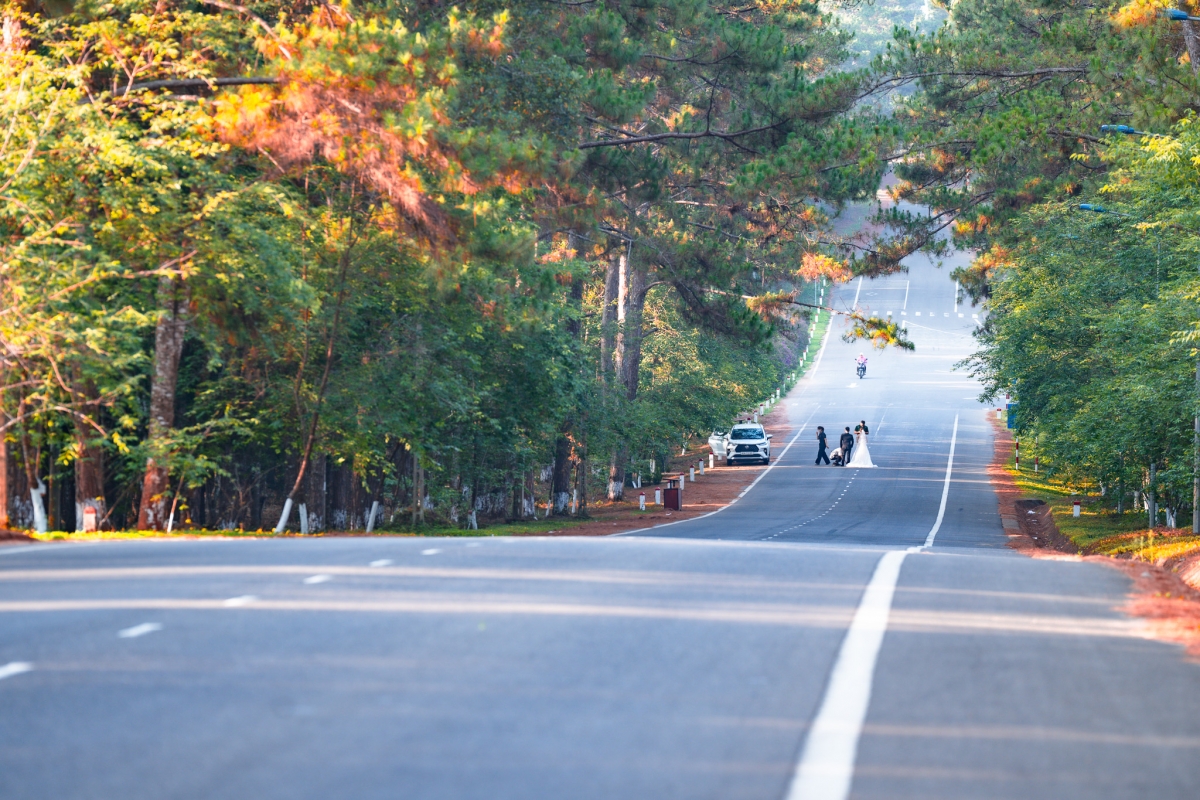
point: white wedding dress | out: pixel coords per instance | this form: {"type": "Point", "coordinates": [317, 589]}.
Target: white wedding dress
{"type": "Point", "coordinates": [860, 456]}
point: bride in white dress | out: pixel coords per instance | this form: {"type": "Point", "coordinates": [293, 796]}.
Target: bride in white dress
{"type": "Point", "coordinates": [860, 456]}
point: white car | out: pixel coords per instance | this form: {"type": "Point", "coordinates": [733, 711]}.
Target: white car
{"type": "Point", "coordinates": [747, 442]}
{"type": "Point", "coordinates": [716, 443]}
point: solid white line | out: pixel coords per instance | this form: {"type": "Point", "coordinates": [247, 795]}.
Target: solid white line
{"type": "Point", "coordinates": [14, 668]}
{"type": "Point", "coordinates": [945, 487]}
{"type": "Point", "coordinates": [826, 766]}
{"type": "Point", "coordinates": [139, 630]}
{"type": "Point", "coordinates": [906, 283]}
{"type": "Point", "coordinates": [856, 291]}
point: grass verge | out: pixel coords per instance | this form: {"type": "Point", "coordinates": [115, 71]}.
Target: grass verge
{"type": "Point", "coordinates": [1099, 529]}
{"type": "Point", "coordinates": [524, 528]}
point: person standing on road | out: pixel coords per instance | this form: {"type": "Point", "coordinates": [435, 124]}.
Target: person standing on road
{"type": "Point", "coordinates": [862, 453]}
{"type": "Point", "coordinates": [847, 443]}
{"type": "Point", "coordinates": [821, 445]}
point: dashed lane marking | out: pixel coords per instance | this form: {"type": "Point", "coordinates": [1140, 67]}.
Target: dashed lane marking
{"type": "Point", "coordinates": [314, 579]}
{"type": "Point", "coordinates": [139, 630]}
{"type": "Point", "coordinates": [14, 668]}
{"type": "Point", "coordinates": [381, 562]}
{"type": "Point", "coordinates": [240, 600]}
{"type": "Point", "coordinates": [433, 551]}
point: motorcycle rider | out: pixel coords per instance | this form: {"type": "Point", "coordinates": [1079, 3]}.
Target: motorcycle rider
{"type": "Point", "coordinates": [861, 363]}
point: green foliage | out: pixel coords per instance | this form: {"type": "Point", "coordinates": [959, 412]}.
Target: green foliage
{"type": "Point", "coordinates": [1093, 321]}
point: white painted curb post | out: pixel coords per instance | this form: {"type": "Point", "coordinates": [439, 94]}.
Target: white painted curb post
{"type": "Point", "coordinates": [1075, 508]}
{"type": "Point", "coordinates": [642, 501]}
{"type": "Point", "coordinates": [692, 474]}
{"type": "Point", "coordinates": [711, 458]}
{"type": "Point", "coordinates": [658, 497]}
{"type": "Point", "coordinates": [701, 466]}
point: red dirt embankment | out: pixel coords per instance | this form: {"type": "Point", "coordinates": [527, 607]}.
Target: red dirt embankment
{"type": "Point", "coordinates": [716, 488]}
{"type": "Point", "coordinates": [1159, 594]}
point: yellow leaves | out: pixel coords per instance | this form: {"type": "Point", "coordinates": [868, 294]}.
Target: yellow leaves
{"type": "Point", "coordinates": [1138, 13]}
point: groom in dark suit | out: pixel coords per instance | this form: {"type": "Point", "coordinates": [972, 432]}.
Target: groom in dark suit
{"type": "Point", "coordinates": [847, 443]}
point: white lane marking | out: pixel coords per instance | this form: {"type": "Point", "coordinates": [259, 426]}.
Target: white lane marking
{"type": "Point", "coordinates": [906, 283]}
{"type": "Point", "coordinates": [433, 551]}
{"type": "Point", "coordinates": [381, 562]}
{"type": "Point", "coordinates": [240, 600]}
{"type": "Point", "coordinates": [856, 291]}
{"type": "Point", "coordinates": [945, 487]}
{"type": "Point", "coordinates": [139, 630]}
{"type": "Point", "coordinates": [918, 313]}
{"type": "Point", "coordinates": [826, 766]}
{"type": "Point", "coordinates": [311, 579]}
{"type": "Point", "coordinates": [14, 668]}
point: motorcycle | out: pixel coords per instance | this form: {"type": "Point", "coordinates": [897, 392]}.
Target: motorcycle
{"type": "Point", "coordinates": [862, 370]}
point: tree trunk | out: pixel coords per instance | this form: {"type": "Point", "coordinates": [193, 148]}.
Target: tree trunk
{"type": "Point", "coordinates": [89, 475]}
{"type": "Point", "coordinates": [37, 489]}
{"type": "Point", "coordinates": [560, 484]}
{"type": "Point", "coordinates": [608, 314]}
{"type": "Point", "coordinates": [629, 344]}
{"type": "Point", "coordinates": [616, 472]}
{"type": "Point", "coordinates": [631, 300]}
{"type": "Point", "coordinates": [168, 347]}
{"type": "Point", "coordinates": [5, 483]}
{"type": "Point", "coordinates": [581, 478]}
{"type": "Point", "coordinates": [1191, 39]}
{"type": "Point", "coordinates": [311, 437]}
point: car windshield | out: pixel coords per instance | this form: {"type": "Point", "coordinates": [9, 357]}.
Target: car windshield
{"type": "Point", "coordinates": [746, 433]}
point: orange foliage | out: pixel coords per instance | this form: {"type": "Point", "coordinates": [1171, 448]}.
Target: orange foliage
{"type": "Point", "coordinates": [1138, 13]}
{"type": "Point", "coordinates": [815, 265]}
{"type": "Point", "coordinates": [369, 99]}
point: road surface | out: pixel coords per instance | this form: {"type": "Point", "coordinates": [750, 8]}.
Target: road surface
{"type": "Point", "coordinates": [834, 633]}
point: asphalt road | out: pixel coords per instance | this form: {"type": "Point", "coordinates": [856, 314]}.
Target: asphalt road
{"type": "Point", "coordinates": [807, 641]}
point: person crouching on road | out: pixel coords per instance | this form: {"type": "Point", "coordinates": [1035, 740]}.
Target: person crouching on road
{"type": "Point", "coordinates": [821, 445]}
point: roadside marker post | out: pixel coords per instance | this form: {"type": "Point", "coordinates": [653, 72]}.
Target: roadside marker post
{"type": "Point", "coordinates": [710, 460]}
{"type": "Point", "coordinates": [1075, 508]}
{"type": "Point", "coordinates": [692, 474]}
{"type": "Point", "coordinates": [1017, 454]}
{"type": "Point", "coordinates": [1035, 465]}
{"type": "Point", "coordinates": [701, 466]}
{"type": "Point", "coordinates": [658, 497]}
{"type": "Point", "coordinates": [642, 501]}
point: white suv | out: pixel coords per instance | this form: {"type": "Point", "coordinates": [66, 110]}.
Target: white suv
{"type": "Point", "coordinates": [748, 442]}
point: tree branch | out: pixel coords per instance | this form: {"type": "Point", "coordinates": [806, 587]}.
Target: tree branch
{"type": "Point", "coordinates": [195, 83]}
